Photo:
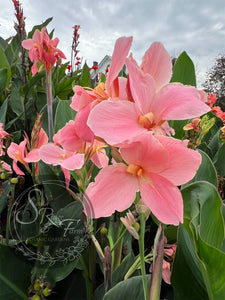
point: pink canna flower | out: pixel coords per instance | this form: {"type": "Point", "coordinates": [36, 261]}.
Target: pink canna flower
{"type": "Point", "coordinates": [33, 155]}
{"type": "Point", "coordinates": [54, 155]}
{"type": "Point", "coordinates": [18, 154]}
{"type": "Point", "coordinates": [42, 49]}
{"type": "Point", "coordinates": [155, 166]}
{"type": "Point", "coordinates": [114, 88]}
{"type": "Point", "coordinates": [154, 101]}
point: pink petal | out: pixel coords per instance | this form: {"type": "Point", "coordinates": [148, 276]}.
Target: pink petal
{"type": "Point", "coordinates": [32, 156]}
{"type": "Point", "coordinates": [115, 121]}
{"type": "Point", "coordinates": [157, 62]}
{"type": "Point", "coordinates": [80, 99]}
{"type": "Point", "coordinates": [163, 199]}
{"type": "Point", "coordinates": [183, 162]}
{"type": "Point", "coordinates": [147, 152]}
{"type": "Point", "coordinates": [178, 102]}
{"type": "Point", "coordinates": [100, 158]}
{"type": "Point", "coordinates": [73, 162]}
{"type": "Point", "coordinates": [68, 138]}
{"type": "Point", "coordinates": [28, 44]}
{"type": "Point", "coordinates": [112, 190]}
{"type": "Point", "coordinates": [120, 52]}
{"type": "Point", "coordinates": [16, 168]}
{"type": "Point", "coordinates": [51, 154]}
{"type": "Point", "coordinates": [83, 130]}
{"type": "Point", "coordinates": [142, 86]}
{"type": "Point", "coordinates": [67, 176]}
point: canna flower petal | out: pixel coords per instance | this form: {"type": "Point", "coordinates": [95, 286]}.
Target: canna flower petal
{"type": "Point", "coordinates": [73, 162]}
{"type": "Point", "coordinates": [163, 198]}
{"type": "Point", "coordinates": [157, 62]}
{"type": "Point", "coordinates": [120, 53]}
{"type": "Point", "coordinates": [178, 102]}
{"type": "Point", "coordinates": [182, 163]}
{"type": "Point", "coordinates": [119, 119]}
{"type": "Point", "coordinates": [112, 190]}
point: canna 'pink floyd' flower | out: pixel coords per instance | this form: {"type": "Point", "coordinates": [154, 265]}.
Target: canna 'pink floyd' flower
{"type": "Point", "coordinates": [18, 154]}
{"type": "Point", "coordinates": [114, 88]}
{"type": "Point", "coordinates": [156, 165]}
{"type": "Point", "coordinates": [154, 101]}
{"type": "Point", "coordinates": [42, 49]}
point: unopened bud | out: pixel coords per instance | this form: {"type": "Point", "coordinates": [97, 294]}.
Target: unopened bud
{"type": "Point", "coordinates": [14, 180]}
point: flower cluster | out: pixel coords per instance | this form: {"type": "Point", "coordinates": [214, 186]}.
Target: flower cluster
{"type": "Point", "coordinates": [42, 49]}
{"type": "Point", "coordinates": [131, 114]}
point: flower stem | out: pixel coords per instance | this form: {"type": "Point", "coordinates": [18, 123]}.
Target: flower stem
{"type": "Point", "coordinates": [49, 105]}
{"type": "Point", "coordinates": [142, 255]}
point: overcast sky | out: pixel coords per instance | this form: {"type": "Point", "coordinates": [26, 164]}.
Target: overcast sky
{"type": "Point", "coordinates": [196, 26]}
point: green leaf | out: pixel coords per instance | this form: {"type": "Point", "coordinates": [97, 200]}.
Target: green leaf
{"type": "Point", "coordinates": [220, 161]}
{"type": "Point", "coordinates": [206, 171]}
{"type": "Point", "coordinates": [3, 111]}
{"type": "Point", "coordinates": [184, 70]}
{"type": "Point", "coordinates": [64, 113]}
{"type": "Point", "coordinates": [84, 79]}
{"type": "Point", "coordinates": [3, 79]}
{"type": "Point", "coordinates": [202, 212]}
{"type": "Point", "coordinates": [5, 64]}
{"type": "Point", "coordinates": [186, 278]}
{"type": "Point", "coordinates": [64, 88]}
{"type": "Point", "coordinates": [4, 195]}
{"type": "Point", "coordinates": [39, 27]}
{"type": "Point", "coordinates": [12, 284]}
{"type": "Point", "coordinates": [130, 289]}
{"type": "Point", "coordinates": [13, 49]}
{"type": "Point", "coordinates": [213, 262]}
{"type": "Point", "coordinates": [15, 99]}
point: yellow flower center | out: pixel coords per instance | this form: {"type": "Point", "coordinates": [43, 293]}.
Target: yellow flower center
{"type": "Point", "coordinates": [134, 170]}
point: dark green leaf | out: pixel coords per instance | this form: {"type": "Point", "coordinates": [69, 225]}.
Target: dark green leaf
{"type": "Point", "coordinates": [39, 27]}
{"type": "Point", "coordinates": [12, 284]}
{"type": "Point", "coordinates": [130, 289]}
{"type": "Point", "coordinates": [184, 70]}
{"type": "Point", "coordinates": [4, 195]}
{"type": "Point", "coordinates": [3, 111]}
{"type": "Point", "coordinates": [64, 113]}
{"type": "Point", "coordinates": [186, 277]}
{"type": "Point", "coordinates": [85, 76]}
{"type": "Point", "coordinates": [3, 79]}
{"type": "Point", "coordinates": [5, 64]}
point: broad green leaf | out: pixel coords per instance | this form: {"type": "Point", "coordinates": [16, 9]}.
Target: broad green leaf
{"type": "Point", "coordinates": [203, 212]}
{"type": "Point", "coordinates": [64, 88]}
{"type": "Point", "coordinates": [220, 161]}
{"type": "Point", "coordinates": [28, 87]}
{"type": "Point", "coordinates": [64, 113]}
{"type": "Point", "coordinates": [130, 289]}
{"type": "Point", "coordinates": [15, 99]}
{"type": "Point", "coordinates": [13, 49]}
{"type": "Point", "coordinates": [206, 171]}
{"type": "Point", "coordinates": [186, 278]}
{"type": "Point", "coordinates": [84, 79]}
{"type": "Point", "coordinates": [3, 111]}
{"type": "Point", "coordinates": [3, 79]}
{"type": "Point", "coordinates": [5, 64]}
{"type": "Point", "coordinates": [14, 275]}
{"type": "Point", "coordinates": [39, 27]}
{"type": "Point", "coordinates": [213, 262]}
{"type": "Point", "coordinates": [184, 70]}
{"type": "Point", "coordinates": [3, 43]}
